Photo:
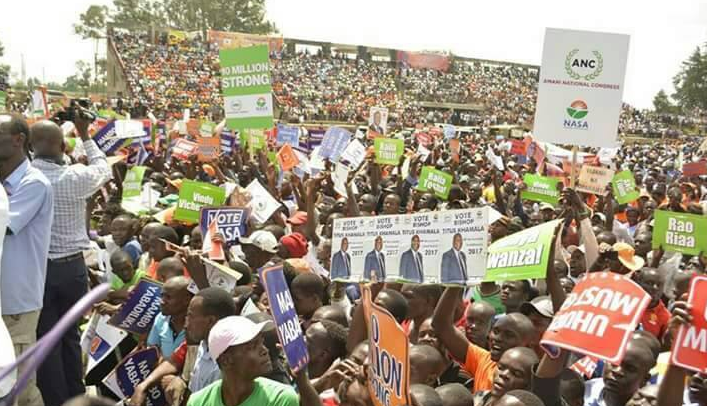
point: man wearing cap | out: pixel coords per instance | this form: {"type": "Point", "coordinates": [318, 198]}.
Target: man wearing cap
{"type": "Point", "coordinates": [341, 262]}
{"type": "Point", "coordinates": [540, 313]}
{"type": "Point", "coordinates": [237, 346]}
{"type": "Point", "coordinates": [547, 211]}
{"type": "Point", "coordinates": [259, 248]}
{"type": "Point", "coordinates": [623, 259]}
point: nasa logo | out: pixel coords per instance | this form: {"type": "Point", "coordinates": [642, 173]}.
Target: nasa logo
{"type": "Point", "coordinates": [577, 111]}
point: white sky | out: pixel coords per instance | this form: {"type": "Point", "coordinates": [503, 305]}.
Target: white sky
{"type": "Point", "coordinates": [663, 33]}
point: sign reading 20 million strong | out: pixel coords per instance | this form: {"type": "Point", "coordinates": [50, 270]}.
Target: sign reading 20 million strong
{"type": "Point", "coordinates": [580, 87]}
{"type": "Point", "coordinates": [246, 87]}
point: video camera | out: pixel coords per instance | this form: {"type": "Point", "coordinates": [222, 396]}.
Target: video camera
{"type": "Point", "coordinates": [77, 108]}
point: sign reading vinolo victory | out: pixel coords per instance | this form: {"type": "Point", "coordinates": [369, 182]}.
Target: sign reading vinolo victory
{"type": "Point", "coordinates": [580, 87]}
{"type": "Point", "coordinates": [435, 247]}
{"type": "Point", "coordinates": [246, 87]}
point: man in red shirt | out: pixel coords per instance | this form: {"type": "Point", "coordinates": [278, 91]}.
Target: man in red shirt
{"type": "Point", "coordinates": [655, 318]}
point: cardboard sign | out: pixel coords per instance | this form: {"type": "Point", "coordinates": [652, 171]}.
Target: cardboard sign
{"type": "Point", "coordinates": [334, 142]}
{"type": "Point", "coordinates": [211, 246]}
{"type": "Point", "coordinates": [594, 179]}
{"type": "Point", "coordinates": [220, 275]}
{"type": "Point", "coordinates": [690, 345]}
{"type": "Point", "coordinates": [129, 129]}
{"type": "Point", "coordinates": [580, 87]}
{"type": "Point", "coordinates": [598, 317]}
{"type": "Point", "coordinates": [99, 339]}
{"type": "Point", "coordinates": [283, 311]}
{"type": "Point", "coordinates": [388, 150]}
{"type": "Point", "coordinates": [139, 311]}
{"type": "Point", "coordinates": [424, 138]}
{"type": "Point", "coordinates": [262, 204]}
{"type": "Point", "coordinates": [287, 157]}
{"type": "Point", "coordinates": [228, 142]}
{"type": "Point", "coordinates": [455, 149]}
{"type": "Point", "coordinates": [521, 255]}
{"type": "Point", "coordinates": [255, 139]}
{"type": "Point", "coordinates": [132, 370]}
{"type": "Point", "coordinates": [449, 131]}
{"type": "Point", "coordinates": [624, 187]}
{"type": "Point", "coordinates": [694, 168]}
{"type": "Point", "coordinates": [231, 222]}
{"type": "Point", "coordinates": [436, 247]}
{"type": "Point", "coordinates": [132, 184]}
{"type": "Point", "coordinates": [209, 148]}
{"type": "Point", "coordinates": [435, 181]}
{"type": "Point", "coordinates": [106, 140]}
{"type": "Point", "coordinates": [389, 368]}
{"type": "Point", "coordinates": [378, 120]}
{"type": "Point", "coordinates": [518, 147]}
{"type": "Point", "coordinates": [246, 87]}
{"type": "Point", "coordinates": [680, 232]}
{"type": "Point", "coordinates": [585, 366]}
{"type": "Point", "coordinates": [287, 134]}
{"type": "Point", "coordinates": [540, 189]}
{"type": "Point", "coordinates": [183, 149]}
{"type": "Point", "coordinates": [193, 196]}
{"type": "Point", "coordinates": [353, 155]}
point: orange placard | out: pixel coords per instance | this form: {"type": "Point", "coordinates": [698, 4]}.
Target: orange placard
{"type": "Point", "coordinates": [193, 127]}
{"type": "Point", "coordinates": [455, 147]}
{"type": "Point", "coordinates": [287, 157]}
{"type": "Point", "coordinates": [690, 344]}
{"type": "Point", "coordinates": [598, 317]}
{"type": "Point", "coordinates": [389, 370]}
{"type": "Point", "coordinates": [209, 148]}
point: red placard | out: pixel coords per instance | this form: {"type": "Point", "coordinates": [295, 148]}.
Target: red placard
{"type": "Point", "coordinates": [183, 149]}
{"type": "Point", "coordinates": [690, 344]}
{"type": "Point", "coordinates": [209, 148]}
{"type": "Point", "coordinates": [598, 317]}
{"type": "Point", "coordinates": [287, 157]}
{"type": "Point", "coordinates": [694, 168]}
{"type": "Point", "coordinates": [518, 147]}
{"type": "Point", "coordinates": [424, 138]}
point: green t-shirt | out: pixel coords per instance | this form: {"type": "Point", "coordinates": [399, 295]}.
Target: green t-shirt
{"type": "Point", "coordinates": [266, 392]}
{"type": "Point", "coordinates": [494, 300]}
{"type": "Point", "coordinates": [117, 283]}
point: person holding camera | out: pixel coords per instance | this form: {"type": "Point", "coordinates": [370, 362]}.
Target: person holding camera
{"type": "Point", "coordinates": [60, 376]}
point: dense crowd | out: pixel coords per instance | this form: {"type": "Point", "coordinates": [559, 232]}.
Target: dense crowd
{"type": "Point", "coordinates": [313, 87]}
{"type": "Point", "coordinates": [475, 346]}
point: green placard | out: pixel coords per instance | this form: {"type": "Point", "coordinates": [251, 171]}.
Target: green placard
{"type": "Point", "coordinates": [132, 184]}
{"type": "Point", "coordinates": [680, 232]}
{"type": "Point", "coordinates": [435, 181]}
{"type": "Point", "coordinates": [193, 196]}
{"type": "Point", "coordinates": [388, 150]}
{"type": "Point", "coordinates": [206, 129]}
{"type": "Point", "coordinates": [255, 140]}
{"type": "Point", "coordinates": [246, 87]}
{"type": "Point", "coordinates": [540, 189]}
{"type": "Point", "coordinates": [521, 255]}
{"type": "Point", "coordinates": [3, 101]}
{"type": "Point", "coordinates": [624, 186]}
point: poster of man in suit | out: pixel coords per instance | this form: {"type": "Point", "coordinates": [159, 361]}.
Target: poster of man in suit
{"type": "Point", "coordinates": [375, 261]}
{"type": "Point", "coordinates": [411, 262]}
{"type": "Point", "coordinates": [378, 120]}
{"type": "Point", "coordinates": [341, 261]}
{"type": "Point", "coordinates": [454, 262]}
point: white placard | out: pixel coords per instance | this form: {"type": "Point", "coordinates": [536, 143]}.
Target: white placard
{"type": "Point", "coordinates": [262, 204]}
{"type": "Point", "coordinates": [353, 155]}
{"type": "Point", "coordinates": [361, 246]}
{"type": "Point", "coordinates": [580, 87]}
{"type": "Point", "coordinates": [128, 129]}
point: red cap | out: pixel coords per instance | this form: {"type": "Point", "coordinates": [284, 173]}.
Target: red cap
{"type": "Point", "coordinates": [298, 218]}
{"type": "Point", "coordinates": [296, 244]}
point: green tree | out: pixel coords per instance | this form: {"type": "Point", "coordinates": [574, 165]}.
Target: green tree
{"type": "Point", "coordinates": [662, 103]}
{"type": "Point", "coordinates": [691, 82]}
{"type": "Point", "coordinates": [4, 69]}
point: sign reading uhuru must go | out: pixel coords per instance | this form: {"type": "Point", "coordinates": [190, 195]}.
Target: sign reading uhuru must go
{"type": "Point", "coordinates": [679, 232]}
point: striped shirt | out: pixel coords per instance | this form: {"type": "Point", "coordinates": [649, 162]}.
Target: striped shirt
{"type": "Point", "coordinates": [73, 184]}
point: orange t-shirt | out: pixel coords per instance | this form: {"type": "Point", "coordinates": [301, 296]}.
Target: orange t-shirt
{"type": "Point", "coordinates": [479, 364]}
{"type": "Point", "coordinates": [152, 270]}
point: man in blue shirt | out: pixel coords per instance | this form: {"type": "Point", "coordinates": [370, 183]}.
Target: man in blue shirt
{"type": "Point", "coordinates": [167, 331]}
{"type": "Point", "coordinates": [26, 245]}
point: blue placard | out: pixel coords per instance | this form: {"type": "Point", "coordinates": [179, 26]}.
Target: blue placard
{"type": "Point", "coordinates": [335, 141]}
{"type": "Point", "coordinates": [134, 369]}
{"type": "Point", "coordinates": [283, 311]}
{"type": "Point", "coordinates": [231, 222]}
{"type": "Point", "coordinates": [139, 311]}
{"type": "Point", "coordinates": [105, 139]}
{"type": "Point", "coordinates": [228, 142]}
{"type": "Point", "coordinates": [287, 135]}
{"type": "Point", "coordinates": [449, 131]}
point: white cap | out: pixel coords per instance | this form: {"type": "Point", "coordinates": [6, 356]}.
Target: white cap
{"type": "Point", "coordinates": [264, 240]}
{"type": "Point", "coordinates": [230, 331]}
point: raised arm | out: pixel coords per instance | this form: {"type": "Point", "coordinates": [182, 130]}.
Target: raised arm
{"type": "Point", "coordinates": [443, 324]}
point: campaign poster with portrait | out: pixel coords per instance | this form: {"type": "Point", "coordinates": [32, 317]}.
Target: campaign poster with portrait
{"type": "Point", "coordinates": [436, 247]}
{"type": "Point", "coordinates": [378, 120]}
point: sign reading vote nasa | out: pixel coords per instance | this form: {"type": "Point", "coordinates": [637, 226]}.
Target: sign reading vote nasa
{"type": "Point", "coordinates": [580, 87]}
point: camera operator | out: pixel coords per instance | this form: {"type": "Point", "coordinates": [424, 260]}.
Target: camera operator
{"type": "Point", "coordinates": [60, 376]}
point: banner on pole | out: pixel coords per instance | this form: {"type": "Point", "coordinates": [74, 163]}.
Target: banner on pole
{"type": "Point", "coordinates": [246, 87]}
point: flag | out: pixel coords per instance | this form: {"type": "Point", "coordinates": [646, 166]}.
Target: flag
{"type": "Point", "coordinates": [39, 103]}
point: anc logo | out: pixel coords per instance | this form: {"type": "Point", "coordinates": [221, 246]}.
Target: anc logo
{"type": "Point", "coordinates": [587, 67]}
{"type": "Point", "coordinates": [260, 102]}
{"type": "Point", "coordinates": [577, 110]}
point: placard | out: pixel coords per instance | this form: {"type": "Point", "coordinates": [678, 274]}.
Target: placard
{"type": "Point", "coordinates": [132, 184]}
{"type": "Point", "coordinates": [334, 142]}
{"type": "Point", "coordinates": [680, 232]}
{"type": "Point", "coordinates": [287, 134]}
{"type": "Point", "coordinates": [598, 317]}
{"type": "Point", "coordinates": [694, 168]}
{"type": "Point", "coordinates": [132, 370]}
{"type": "Point", "coordinates": [436, 247]}
{"type": "Point", "coordinates": [99, 339]}
{"type": "Point", "coordinates": [209, 149]}
{"type": "Point", "coordinates": [624, 186]}
{"type": "Point", "coordinates": [231, 222]}
{"type": "Point", "coordinates": [521, 255]}
{"type": "Point", "coordinates": [353, 155]}
{"type": "Point", "coordinates": [388, 150]}
{"type": "Point", "coordinates": [594, 179]}
{"type": "Point", "coordinates": [518, 147]}
{"type": "Point", "coordinates": [690, 344]}
{"type": "Point", "coordinates": [435, 181]}
{"type": "Point", "coordinates": [389, 367]}
{"type": "Point", "coordinates": [193, 196]}
{"type": "Point", "coordinates": [580, 87]}
{"type": "Point", "coordinates": [283, 311]}
{"type": "Point", "coordinates": [378, 120]}
{"type": "Point", "coordinates": [246, 87]}
{"type": "Point", "coordinates": [540, 189]}
{"type": "Point", "coordinates": [287, 158]}
{"type": "Point", "coordinates": [262, 204]}
{"type": "Point", "coordinates": [139, 311]}
{"type": "Point", "coordinates": [183, 149]}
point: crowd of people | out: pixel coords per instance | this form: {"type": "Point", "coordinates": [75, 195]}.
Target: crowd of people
{"type": "Point", "coordinates": [478, 345]}
{"type": "Point", "coordinates": [169, 77]}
